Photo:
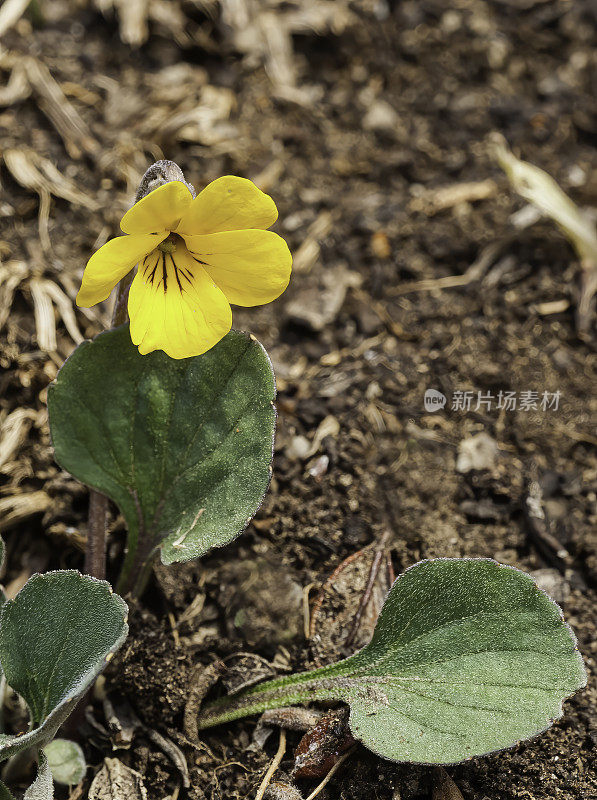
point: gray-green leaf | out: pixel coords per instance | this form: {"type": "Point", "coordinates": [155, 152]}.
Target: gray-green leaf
{"type": "Point", "coordinates": [5, 793]}
{"type": "Point", "coordinates": [66, 760]}
{"type": "Point", "coordinates": [56, 636]}
{"type": "Point", "coordinates": [42, 787]}
{"type": "Point", "coordinates": [468, 656]}
{"type": "Point", "coordinates": [183, 447]}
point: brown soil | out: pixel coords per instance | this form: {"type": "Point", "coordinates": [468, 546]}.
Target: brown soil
{"type": "Point", "coordinates": [355, 181]}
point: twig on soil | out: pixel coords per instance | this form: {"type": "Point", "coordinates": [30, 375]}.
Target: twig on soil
{"type": "Point", "coordinates": [273, 766]}
{"type": "Point", "coordinates": [95, 553]}
{"type": "Point", "coordinates": [552, 550]}
{"type": "Point", "coordinates": [545, 194]}
{"type": "Point", "coordinates": [366, 596]}
{"type": "Point", "coordinates": [76, 135]}
{"type": "Point", "coordinates": [172, 751]}
{"type": "Point", "coordinates": [201, 680]}
{"type": "Point", "coordinates": [77, 792]}
{"type": "Point", "coordinates": [307, 610]}
{"type": "Point", "coordinates": [331, 773]}
{"type": "Point", "coordinates": [585, 310]}
{"type": "Point", "coordinates": [11, 13]}
{"type": "Point", "coordinates": [474, 273]}
{"type": "Point", "coordinates": [175, 636]}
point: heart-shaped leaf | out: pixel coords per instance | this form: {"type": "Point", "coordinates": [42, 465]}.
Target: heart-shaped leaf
{"type": "Point", "coordinates": [183, 447]}
{"type": "Point", "coordinates": [56, 636]}
{"type": "Point", "coordinates": [468, 656]}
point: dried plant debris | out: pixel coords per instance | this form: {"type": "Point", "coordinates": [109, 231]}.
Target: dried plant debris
{"type": "Point", "coordinates": [116, 781]}
{"type": "Point", "coordinates": [11, 12]}
{"type": "Point", "coordinates": [262, 32]}
{"type": "Point", "coordinates": [335, 608]}
{"type": "Point", "coordinates": [322, 746]}
{"type": "Point", "coordinates": [282, 790]}
{"type": "Point", "coordinates": [201, 680]}
{"type": "Point", "coordinates": [35, 172]}
{"type": "Point", "coordinates": [543, 192]}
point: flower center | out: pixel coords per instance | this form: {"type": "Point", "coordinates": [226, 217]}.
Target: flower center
{"type": "Point", "coordinates": [169, 244]}
{"type": "Point", "coordinates": [169, 266]}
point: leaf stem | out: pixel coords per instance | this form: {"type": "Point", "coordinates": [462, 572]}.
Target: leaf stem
{"type": "Point", "coordinates": [303, 687]}
{"type": "Point", "coordinates": [136, 569]}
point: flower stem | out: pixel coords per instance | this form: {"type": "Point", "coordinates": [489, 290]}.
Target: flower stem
{"type": "Point", "coordinates": [95, 552]}
{"type": "Point", "coordinates": [136, 569]}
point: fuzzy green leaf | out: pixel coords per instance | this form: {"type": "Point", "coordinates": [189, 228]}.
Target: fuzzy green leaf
{"type": "Point", "coordinates": [468, 656]}
{"type": "Point", "coordinates": [5, 793]}
{"type": "Point", "coordinates": [56, 636]}
{"type": "Point", "coordinates": [183, 447]}
{"type": "Point", "coordinates": [42, 787]}
{"type": "Point", "coordinates": [66, 760]}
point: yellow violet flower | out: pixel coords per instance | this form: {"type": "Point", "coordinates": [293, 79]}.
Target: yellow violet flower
{"type": "Point", "coordinates": [195, 257]}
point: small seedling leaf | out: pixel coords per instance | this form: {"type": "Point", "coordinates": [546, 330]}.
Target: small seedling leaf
{"type": "Point", "coordinates": [183, 447]}
{"type": "Point", "coordinates": [56, 636]}
{"type": "Point", "coordinates": [468, 657]}
{"type": "Point", "coordinates": [66, 760]}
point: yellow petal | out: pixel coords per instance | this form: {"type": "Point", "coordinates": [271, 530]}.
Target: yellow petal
{"type": "Point", "coordinates": [159, 210]}
{"type": "Point", "coordinates": [228, 204]}
{"type": "Point", "coordinates": [250, 267]}
{"type": "Point", "coordinates": [174, 306]}
{"type": "Point", "coordinates": [111, 263]}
